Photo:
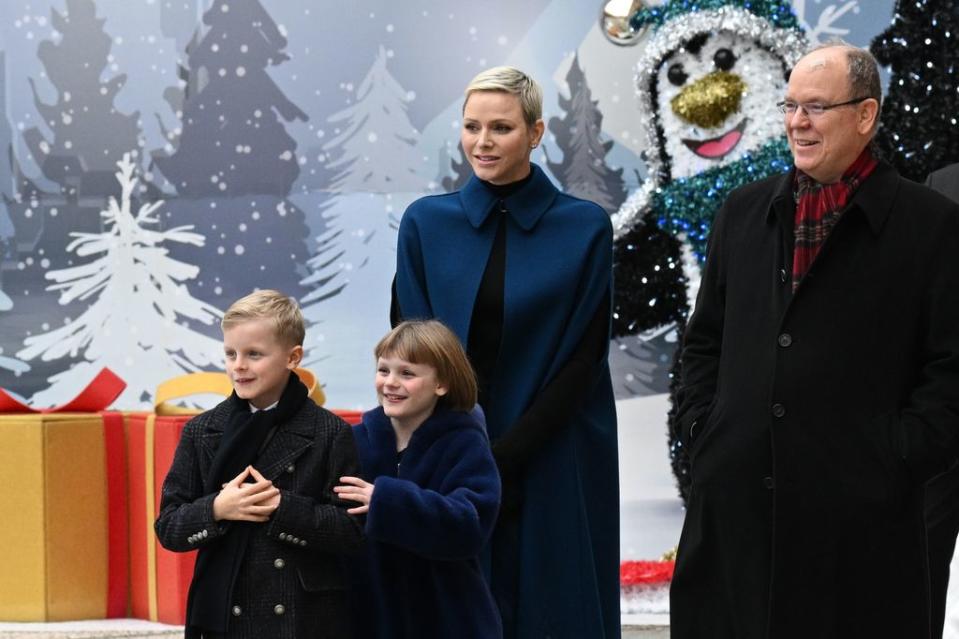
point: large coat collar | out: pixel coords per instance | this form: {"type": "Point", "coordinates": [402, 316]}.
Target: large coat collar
{"type": "Point", "coordinates": [380, 444]}
{"type": "Point", "coordinates": [290, 440]}
{"type": "Point", "coordinates": [874, 198]}
{"type": "Point", "coordinates": [526, 206]}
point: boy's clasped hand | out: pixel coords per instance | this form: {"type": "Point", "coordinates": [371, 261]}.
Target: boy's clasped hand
{"type": "Point", "coordinates": [247, 497]}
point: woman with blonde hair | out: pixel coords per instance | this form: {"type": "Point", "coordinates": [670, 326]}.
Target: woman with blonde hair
{"type": "Point", "coordinates": [522, 274]}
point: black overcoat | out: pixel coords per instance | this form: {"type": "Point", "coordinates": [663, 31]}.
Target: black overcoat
{"type": "Point", "coordinates": [292, 581]}
{"type": "Point", "coordinates": [817, 415]}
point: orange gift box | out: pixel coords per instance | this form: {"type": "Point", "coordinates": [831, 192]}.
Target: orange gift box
{"type": "Point", "coordinates": [160, 579]}
{"type": "Point", "coordinates": [64, 545]}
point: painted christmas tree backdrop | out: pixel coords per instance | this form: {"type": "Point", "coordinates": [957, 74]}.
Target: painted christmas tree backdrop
{"type": "Point", "coordinates": [276, 144]}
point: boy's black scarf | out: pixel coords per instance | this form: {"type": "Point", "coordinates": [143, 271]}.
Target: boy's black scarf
{"type": "Point", "coordinates": [217, 565]}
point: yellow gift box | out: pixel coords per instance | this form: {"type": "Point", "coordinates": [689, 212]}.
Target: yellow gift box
{"type": "Point", "coordinates": [63, 542]}
{"type": "Point", "coordinates": [54, 541]}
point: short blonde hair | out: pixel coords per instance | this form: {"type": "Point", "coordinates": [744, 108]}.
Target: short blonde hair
{"type": "Point", "coordinates": [514, 81]}
{"type": "Point", "coordinates": [270, 305]}
{"type": "Point", "coordinates": [431, 343]}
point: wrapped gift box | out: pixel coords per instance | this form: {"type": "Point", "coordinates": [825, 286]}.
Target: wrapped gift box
{"type": "Point", "coordinates": [63, 544]}
{"type": "Point", "coordinates": [159, 578]}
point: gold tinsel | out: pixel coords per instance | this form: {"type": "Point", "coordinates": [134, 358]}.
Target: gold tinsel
{"type": "Point", "coordinates": [709, 101]}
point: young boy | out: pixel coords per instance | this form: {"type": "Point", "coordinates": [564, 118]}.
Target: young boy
{"type": "Point", "coordinates": [251, 487]}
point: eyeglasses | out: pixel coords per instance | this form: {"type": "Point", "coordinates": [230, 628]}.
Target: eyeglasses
{"type": "Point", "coordinates": [813, 109]}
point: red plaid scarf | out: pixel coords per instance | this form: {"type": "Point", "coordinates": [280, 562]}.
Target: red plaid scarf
{"type": "Point", "coordinates": [819, 207]}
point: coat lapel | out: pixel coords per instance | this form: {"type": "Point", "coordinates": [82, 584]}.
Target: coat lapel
{"type": "Point", "coordinates": [382, 444]}
{"type": "Point", "coordinates": [288, 443]}
{"type": "Point", "coordinates": [876, 196]}
{"type": "Point", "coordinates": [213, 433]}
{"type": "Point", "coordinates": [873, 200]}
{"type": "Point", "coordinates": [526, 206]}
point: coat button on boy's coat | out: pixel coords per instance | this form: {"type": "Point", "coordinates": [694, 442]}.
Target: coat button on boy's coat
{"type": "Point", "coordinates": [278, 609]}
{"type": "Point", "coordinates": [785, 340]}
{"type": "Point", "coordinates": [237, 611]}
{"type": "Point", "coordinates": [778, 410]}
{"type": "Point", "coordinates": [278, 563]}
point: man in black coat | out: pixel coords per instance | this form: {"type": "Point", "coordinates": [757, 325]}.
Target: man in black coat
{"type": "Point", "coordinates": [942, 493]}
{"type": "Point", "coordinates": [820, 374]}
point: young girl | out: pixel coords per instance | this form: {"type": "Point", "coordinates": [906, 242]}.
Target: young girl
{"type": "Point", "coordinates": [430, 491]}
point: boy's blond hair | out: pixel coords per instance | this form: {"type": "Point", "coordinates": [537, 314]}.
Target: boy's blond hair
{"type": "Point", "coordinates": [431, 343]}
{"type": "Point", "coordinates": [281, 310]}
{"type": "Point", "coordinates": [513, 81]}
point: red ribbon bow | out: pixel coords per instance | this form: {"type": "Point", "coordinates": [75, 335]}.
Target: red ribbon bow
{"type": "Point", "coordinates": [98, 394]}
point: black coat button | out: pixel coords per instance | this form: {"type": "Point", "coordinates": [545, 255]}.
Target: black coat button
{"type": "Point", "coordinates": [768, 482]}
{"type": "Point", "coordinates": [778, 410]}
{"type": "Point", "coordinates": [785, 340]}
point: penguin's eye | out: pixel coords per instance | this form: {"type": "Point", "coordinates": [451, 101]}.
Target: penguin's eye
{"type": "Point", "coordinates": [724, 59]}
{"type": "Point", "coordinates": [676, 74]}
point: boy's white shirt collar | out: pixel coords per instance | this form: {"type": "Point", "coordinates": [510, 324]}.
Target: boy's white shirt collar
{"type": "Point", "coordinates": [254, 409]}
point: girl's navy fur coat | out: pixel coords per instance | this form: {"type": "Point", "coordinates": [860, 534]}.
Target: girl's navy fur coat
{"type": "Point", "coordinates": [430, 516]}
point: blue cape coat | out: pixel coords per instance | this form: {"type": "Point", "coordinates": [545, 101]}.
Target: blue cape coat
{"type": "Point", "coordinates": [429, 518]}
{"type": "Point", "coordinates": [558, 273]}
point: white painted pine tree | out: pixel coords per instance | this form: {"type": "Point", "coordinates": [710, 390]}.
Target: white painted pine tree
{"type": "Point", "coordinates": [12, 364]}
{"type": "Point", "coordinates": [375, 147]}
{"type": "Point", "coordinates": [138, 302]}
{"type": "Point", "coordinates": [378, 170]}
{"type": "Point", "coordinates": [6, 303]}
{"type": "Point", "coordinates": [9, 363]}
{"type": "Point", "coordinates": [326, 266]}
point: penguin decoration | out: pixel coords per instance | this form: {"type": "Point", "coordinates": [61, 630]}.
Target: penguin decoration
{"type": "Point", "coordinates": [707, 82]}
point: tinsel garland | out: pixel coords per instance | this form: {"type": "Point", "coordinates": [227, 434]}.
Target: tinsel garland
{"type": "Point", "coordinates": [919, 129]}
{"type": "Point", "coordinates": [687, 205]}
{"type": "Point", "coordinates": [650, 285]}
{"type": "Point", "coordinates": [778, 12]}
{"type": "Point", "coordinates": [645, 573]}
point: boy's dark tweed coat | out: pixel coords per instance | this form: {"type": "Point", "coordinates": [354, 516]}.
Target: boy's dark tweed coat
{"type": "Point", "coordinates": [819, 414]}
{"type": "Point", "coordinates": [292, 582]}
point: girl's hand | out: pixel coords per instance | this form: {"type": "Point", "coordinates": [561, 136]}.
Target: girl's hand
{"type": "Point", "coordinates": [240, 501]}
{"type": "Point", "coordinates": [355, 489]}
